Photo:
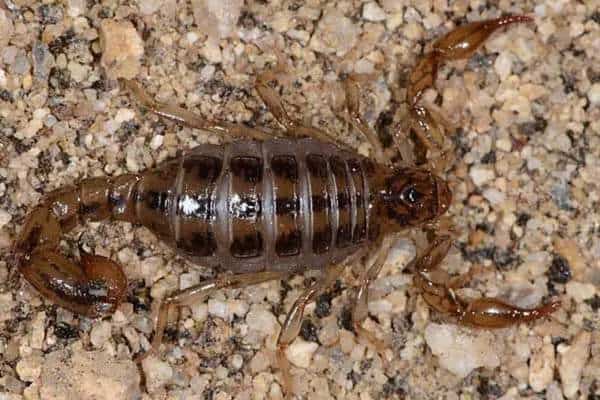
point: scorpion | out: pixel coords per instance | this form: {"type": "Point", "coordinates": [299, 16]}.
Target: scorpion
{"type": "Point", "coordinates": [263, 208]}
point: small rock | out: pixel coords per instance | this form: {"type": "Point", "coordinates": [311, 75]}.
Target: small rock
{"type": "Point", "coordinates": [124, 115]}
{"type": "Point", "coordinates": [300, 352]}
{"type": "Point", "coordinates": [74, 373]}
{"type": "Point", "coordinates": [149, 7]}
{"type": "Point", "coordinates": [76, 7]}
{"type": "Point", "coordinates": [158, 373]}
{"type": "Point", "coordinates": [481, 175]}
{"type": "Point", "coordinates": [6, 304]}
{"type": "Point", "coordinates": [31, 129]}
{"type": "Point", "coordinates": [553, 392]}
{"type": "Point", "coordinates": [260, 362]}
{"type": "Point", "coordinates": [236, 361]}
{"type": "Point", "coordinates": [100, 333]}
{"type": "Point", "coordinates": [494, 196]}
{"type": "Point", "coordinates": [579, 291]}
{"type": "Point", "coordinates": [155, 143]}
{"type": "Point", "coordinates": [38, 331]}
{"type": "Point", "coordinates": [594, 94]}
{"type": "Point", "coordinates": [219, 309]}
{"type": "Point", "coordinates": [372, 12]}
{"type": "Point", "coordinates": [262, 321]}
{"type": "Point", "coordinates": [43, 61]}
{"type": "Point", "coordinates": [217, 17]}
{"type": "Point", "coordinates": [573, 359]}
{"type": "Point", "coordinates": [79, 72]}
{"type": "Point", "coordinates": [5, 218]}
{"type": "Point", "coordinates": [122, 48]}
{"type": "Point", "coordinates": [29, 368]}
{"type": "Point", "coordinates": [6, 28]}
{"type": "Point", "coordinates": [459, 352]}
{"type": "Point", "coordinates": [334, 34]}
{"type": "Point", "coordinates": [212, 51]}
{"type": "Point", "coordinates": [199, 382]}
{"type": "Point", "coordinates": [503, 65]}
{"type": "Point", "coordinates": [541, 366]}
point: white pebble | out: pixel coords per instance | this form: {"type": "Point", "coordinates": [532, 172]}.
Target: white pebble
{"type": "Point", "coordinates": [335, 34]}
{"type": "Point", "coordinates": [124, 115]}
{"type": "Point", "coordinates": [300, 352]}
{"type": "Point", "coordinates": [100, 333]}
{"type": "Point", "coordinates": [75, 8]}
{"type": "Point", "coordinates": [158, 373]}
{"type": "Point", "coordinates": [31, 129]}
{"type": "Point", "coordinates": [199, 311]}
{"type": "Point", "coordinates": [372, 12]}
{"type": "Point", "coordinates": [260, 362]}
{"type": "Point", "coordinates": [78, 71]}
{"type": "Point", "coordinates": [579, 291]}
{"type": "Point", "coordinates": [149, 7]}
{"type": "Point", "coordinates": [207, 73]}
{"type": "Point", "coordinates": [481, 175]}
{"type": "Point", "coordinates": [73, 373]}
{"type": "Point", "coordinates": [188, 279]}
{"type": "Point", "coordinates": [218, 308]}
{"type": "Point", "coordinates": [494, 196]}
{"type": "Point", "coordinates": [503, 65]}
{"type": "Point", "coordinates": [29, 368]}
{"type": "Point", "coordinates": [212, 52]}
{"type": "Point", "coordinates": [594, 94]}
{"type": "Point", "coordinates": [541, 365]}
{"type": "Point", "coordinates": [38, 331]}
{"type": "Point", "coordinates": [122, 48]}
{"type": "Point", "coordinates": [238, 308]}
{"type": "Point", "coordinates": [262, 321]}
{"type": "Point", "coordinates": [572, 362]}
{"type": "Point", "coordinates": [459, 352]}
{"type": "Point", "coordinates": [5, 218]}
{"type": "Point", "coordinates": [6, 304]}
{"type": "Point", "coordinates": [236, 361]}
{"type": "Point", "coordinates": [218, 18]}
{"type": "Point", "coordinates": [504, 144]}
{"type": "Point", "coordinates": [364, 66]}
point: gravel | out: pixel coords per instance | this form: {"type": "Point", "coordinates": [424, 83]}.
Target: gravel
{"type": "Point", "coordinates": [525, 194]}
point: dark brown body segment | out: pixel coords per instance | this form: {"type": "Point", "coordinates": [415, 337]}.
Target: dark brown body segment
{"type": "Point", "coordinates": [253, 206]}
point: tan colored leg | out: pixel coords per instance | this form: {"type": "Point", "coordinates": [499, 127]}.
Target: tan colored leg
{"type": "Point", "coordinates": [483, 312]}
{"type": "Point", "coordinates": [188, 118]}
{"type": "Point", "coordinates": [265, 86]}
{"type": "Point", "coordinates": [293, 321]}
{"type": "Point", "coordinates": [458, 44]}
{"type": "Point", "coordinates": [360, 311]}
{"type": "Point", "coordinates": [354, 117]}
{"type": "Point", "coordinates": [200, 292]}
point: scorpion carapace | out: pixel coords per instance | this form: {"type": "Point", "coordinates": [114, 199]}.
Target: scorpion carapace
{"type": "Point", "coordinates": [412, 197]}
{"type": "Point", "coordinates": [263, 208]}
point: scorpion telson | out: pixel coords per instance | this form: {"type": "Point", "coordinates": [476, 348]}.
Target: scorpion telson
{"type": "Point", "coordinates": [262, 207]}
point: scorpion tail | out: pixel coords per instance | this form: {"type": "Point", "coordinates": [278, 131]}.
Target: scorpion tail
{"type": "Point", "coordinates": [96, 285]}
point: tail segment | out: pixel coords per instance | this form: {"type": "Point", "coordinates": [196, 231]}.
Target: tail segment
{"type": "Point", "coordinates": [96, 285]}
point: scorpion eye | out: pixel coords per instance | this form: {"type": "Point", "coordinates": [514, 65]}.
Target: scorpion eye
{"type": "Point", "coordinates": [411, 196]}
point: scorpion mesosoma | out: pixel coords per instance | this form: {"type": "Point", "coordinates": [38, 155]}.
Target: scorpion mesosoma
{"type": "Point", "coordinates": [263, 208]}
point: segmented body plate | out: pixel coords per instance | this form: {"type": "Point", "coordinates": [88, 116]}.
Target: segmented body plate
{"type": "Point", "coordinates": [248, 206]}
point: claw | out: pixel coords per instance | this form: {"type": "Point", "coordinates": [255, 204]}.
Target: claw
{"type": "Point", "coordinates": [494, 313]}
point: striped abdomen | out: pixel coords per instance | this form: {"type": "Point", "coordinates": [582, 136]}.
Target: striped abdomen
{"type": "Point", "coordinates": [251, 206]}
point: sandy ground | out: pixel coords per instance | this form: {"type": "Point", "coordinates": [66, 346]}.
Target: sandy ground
{"type": "Point", "coordinates": [525, 194]}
